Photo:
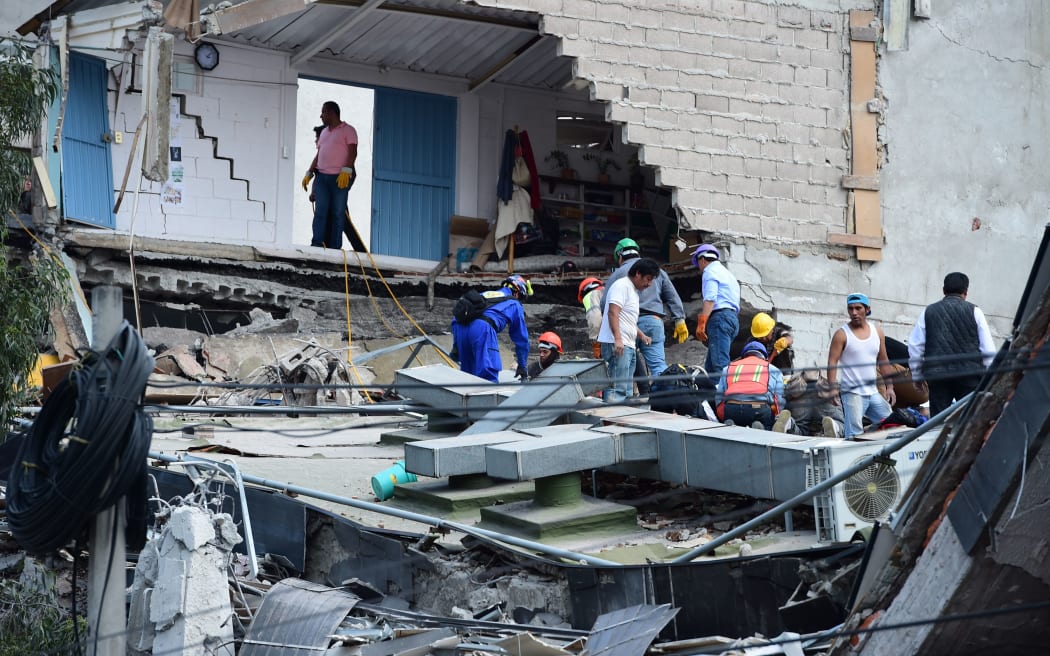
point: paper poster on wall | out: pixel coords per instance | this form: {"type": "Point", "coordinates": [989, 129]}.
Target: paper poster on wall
{"type": "Point", "coordinates": [171, 193]}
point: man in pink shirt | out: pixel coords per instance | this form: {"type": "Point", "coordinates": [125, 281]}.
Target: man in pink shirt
{"type": "Point", "coordinates": [334, 167]}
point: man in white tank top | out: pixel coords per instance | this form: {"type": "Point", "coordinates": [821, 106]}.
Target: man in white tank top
{"type": "Point", "coordinates": [858, 349]}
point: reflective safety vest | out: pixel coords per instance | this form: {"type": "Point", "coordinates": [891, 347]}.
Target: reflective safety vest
{"type": "Point", "coordinates": [747, 379]}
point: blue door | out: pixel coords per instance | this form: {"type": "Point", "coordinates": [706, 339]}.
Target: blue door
{"type": "Point", "coordinates": [413, 169]}
{"type": "Point", "coordinates": [87, 170]}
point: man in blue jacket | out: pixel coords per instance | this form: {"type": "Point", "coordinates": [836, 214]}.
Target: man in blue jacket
{"type": "Point", "coordinates": [477, 343]}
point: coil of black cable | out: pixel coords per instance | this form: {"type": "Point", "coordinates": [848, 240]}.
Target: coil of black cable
{"type": "Point", "coordinates": [86, 450]}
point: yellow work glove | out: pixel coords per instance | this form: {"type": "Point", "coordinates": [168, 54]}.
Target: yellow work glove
{"type": "Point", "coordinates": [343, 181]}
{"type": "Point", "coordinates": [681, 333]}
{"type": "Point", "coordinates": [701, 328]}
{"type": "Point", "coordinates": [306, 180]}
{"type": "Point", "coordinates": [781, 345]}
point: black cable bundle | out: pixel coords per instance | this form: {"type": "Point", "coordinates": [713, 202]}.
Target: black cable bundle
{"type": "Point", "coordinates": [86, 450]}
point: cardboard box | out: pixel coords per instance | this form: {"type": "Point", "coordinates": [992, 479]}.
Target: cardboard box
{"type": "Point", "coordinates": [465, 236]}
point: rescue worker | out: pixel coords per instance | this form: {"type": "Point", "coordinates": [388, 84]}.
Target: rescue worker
{"type": "Point", "coordinates": [857, 353]}
{"type": "Point", "coordinates": [590, 296]}
{"type": "Point", "coordinates": [750, 391]}
{"type": "Point", "coordinates": [549, 345]}
{"type": "Point", "coordinates": [654, 303]}
{"type": "Point", "coordinates": [776, 339]}
{"type": "Point", "coordinates": [718, 323]}
{"type": "Point", "coordinates": [477, 343]}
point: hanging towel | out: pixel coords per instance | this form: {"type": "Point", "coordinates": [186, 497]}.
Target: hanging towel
{"type": "Point", "coordinates": [530, 161]}
{"type": "Point", "coordinates": [504, 185]}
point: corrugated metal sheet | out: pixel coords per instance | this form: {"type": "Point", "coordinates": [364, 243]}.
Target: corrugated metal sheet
{"type": "Point", "coordinates": [439, 37]}
{"type": "Point", "coordinates": [296, 617]}
{"type": "Point", "coordinates": [87, 176]}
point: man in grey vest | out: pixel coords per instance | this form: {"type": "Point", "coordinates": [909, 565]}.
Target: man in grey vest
{"type": "Point", "coordinates": [950, 345]}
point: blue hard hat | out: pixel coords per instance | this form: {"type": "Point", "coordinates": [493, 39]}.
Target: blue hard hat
{"type": "Point", "coordinates": [706, 251]}
{"type": "Point", "coordinates": [755, 347]}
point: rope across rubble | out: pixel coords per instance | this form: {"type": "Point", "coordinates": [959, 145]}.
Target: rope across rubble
{"type": "Point", "coordinates": [87, 449]}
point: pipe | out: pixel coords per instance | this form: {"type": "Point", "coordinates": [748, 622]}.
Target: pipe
{"type": "Point", "coordinates": [405, 514]}
{"type": "Point", "coordinates": [896, 445]}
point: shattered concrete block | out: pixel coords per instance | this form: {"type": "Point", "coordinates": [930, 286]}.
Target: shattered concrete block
{"type": "Point", "coordinates": [226, 531]}
{"type": "Point", "coordinates": [140, 628]}
{"type": "Point", "coordinates": [191, 526]}
{"type": "Point", "coordinates": [166, 602]}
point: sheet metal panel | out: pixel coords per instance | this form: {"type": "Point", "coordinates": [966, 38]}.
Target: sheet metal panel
{"type": "Point", "coordinates": [295, 618]}
{"type": "Point", "coordinates": [450, 390]}
{"type": "Point", "coordinates": [741, 460]}
{"type": "Point", "coordinates": [564, 384]}
{"type": "Point", "coordinates": [454, 456]}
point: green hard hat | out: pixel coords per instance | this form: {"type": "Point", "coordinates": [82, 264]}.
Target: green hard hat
{"type": "Point", "coordinates": [628, 246]}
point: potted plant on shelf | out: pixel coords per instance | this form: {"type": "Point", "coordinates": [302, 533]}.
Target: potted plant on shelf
{"type": "Point", "coordinates": [604, 164]}
{"type": "Point", "coordinates": [561, 160]}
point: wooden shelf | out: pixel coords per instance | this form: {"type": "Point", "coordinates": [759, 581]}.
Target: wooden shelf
{"type": "Point", "coordinates": [628, 221]}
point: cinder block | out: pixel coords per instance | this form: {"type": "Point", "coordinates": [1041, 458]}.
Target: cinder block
{"type": "Point", "coordinates": [596, 30]}
{"type": "Point", "coordinates": [559, 25]}
{"type": "Point", "coordinates": [810, 76]}
{"type": "Point", "coordinates": [777, 72]}
{"type": "Point", "coordinates": [713, 65]}
{"type": "Point", "coordinates": [729, 164]}
{"type": "Point", "coordinates": [744, 224]}
{"type": "Point", "coordinates": [814, 232]}
{"type": "Point", "coordinates": [666, 79]}
{"type": "Point", "coordinates": [761, 206]}
{"type": "Point", "coordinates": [776, 188]}
{"type": "Point", "coordinates": [690, 159]}
{"type": "Point", "coordinates": [690, 42]}
{"type": "Point", "coordinates": [776, 228]}
{"type": "Point", "coordinates": [678, 99]}
{"type": "Point", "coordinates": [705, 180]}
{"type": "Point", "coordinates": [813, 39]}
{"type": "Point", "coordinates": [664, 119]}
{"type": "Point", "coordinates": [742, 186]}
{"type": "Point", "coordinates": [576, 48]}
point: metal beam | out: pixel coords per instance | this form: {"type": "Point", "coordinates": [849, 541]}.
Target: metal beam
{"type": "Point", "coordinates": [331, 35]}
{"type": "Point", "coordinates": [503, 65]}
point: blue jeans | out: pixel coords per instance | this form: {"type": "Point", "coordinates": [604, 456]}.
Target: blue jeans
{"type": "Point", "coordinates": [329, 211]}
{"type": "Point", "coordinates": [621, 373]}
{"type": "Point", "coordinates": [722, 327]}
{"type": "Point", "coordinates": [857, 406]}
{"type": "Point", "coordinates": [653, 353]}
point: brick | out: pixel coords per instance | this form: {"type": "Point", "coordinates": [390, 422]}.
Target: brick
{"type": "Point", "coordinates": [712, 25]}
{"type": "Point", "coordinates": [777, 151]}
{"type": "Point", "coordinates": [751, 31]}
{"type": "Point", "coordinates": [792, 171]}
{"type": "Point", "coordinates": [762, 168]}
{"type": "Point", "coordinates": [811, 116]}
{"type": "Point", "coordinates": [812, 39]}
{"type": "Point", "coordinates": [689, 159]}
{"type": "Point", "coordinates": [710, 142]}
{"type": "Point", "coordinates": [775, 72]}
{"type": "Point", "coordinates": [813, 232]}
{"type": "Point", "coordinates": [691, 199]}
{"type": "Point", "coordinates": [593, 69]}
{"type": "Point", "coordinates": [714, 65]}
{"type": "Point", "coordinates": [729, 164]}
{"type": "Point", "coordinates": [665, 78]}
{"type": "Point", "coordinates": [745, 146]}
{"type": "Point", "coordinates": [596, 30]}
{"type": "Point", "coordinates": [745, 107]}
{"type": "Point", "coordinates": [658, 117]}
{"type": "Point", "coordinates": [759, 130]}
{"type": "Point", "coordinates": [761, 51]}
{"type": "Point", "coordinates": [580, 8]}
{"type": "Point", "coordinates": [671, 176]}
{"type": "Point", "coordinates": [835, 79]}
{"type": "Point", "coordinates": [794, 56]}
{"type": "Point", "coordinates": [678, 99]}
{"type": "Point", "coordinates": [622, 112]}
{"type": "Point", "coordinates": [729, 86]}
{"type": "Point", "coordinates": [827, 98]}
{"type": "Point", "coordinates": [793, 17]}
{"type": "Point", "coordinates": [661, 38]}
{"type": "Point", "coordinates": [793, 209]}
{"type": "Point", "coordinates": [778, 228]}
{"type": "Point", "coordinates": [731, 204]}
{"type": "Point", "coordinates": [743, 224]}
{"type": "Point", "coordinates": [613, 13]}
{"type": "Point", "coordinates": [829, 214]}
{"type": "Point", "coordinates": [694, 122]}
{"type": "Point", "coordinates": [827, 21]}
{"type": "Point", "coordinates": [809, 193]}
{"type": "Point", "coordinates": [761, 206]}
{"type": "Point", "coordinates": [744, 68]}
{"type": "Point", "coordinates": [627, 35]}
{"type": "Point", "coordinates": [645, 17]}
{"type": "Point", "coordinates": [711, 103]}
{"type": "Point", "coordinates": [776, 188]}
{"type": "Point", "coordinates": [760, 91]}
{"type": "Point", "coordinates": [694, 43]}
{"type": "Point", "coordinates": [793, 133]}
{"type": "Point", "coordinates": [613, 52]}
{"type": "Point", "coordinates": [606, 91]}
{"type": "Point", "coordinates": [727, 45]}
{"type": "Point", "coordinates": [644, 95]}
{"type": "Point", "coordinates": [576, 48]}
{"type": "Point", "coordinates": [639, 134]}
{"type": "Point", "coordinates": [677, 21]}
{"type": "Point", "coordinates": [810, 76]}
{"type": "Point", "coordinates": [708, 181]}
{"type": "Point", "coordinates": [829, 59]}
{"type": "Point", "coordinates": [659, 155]}
{"type": "Point", "coordinates": [559, 26]}
{"type": "Point", "coordinates": [675, 59]}
{"type": "Point", "coordinates": [757, 12]}
{"type": "Point", "coordinates": [712, 221]}
{"type": "Point", "coordinates": [696, 82]}
{"type": "Point", "coordinates": [742, 186]}
{"type": "Point", "coordinates": [804, 153]}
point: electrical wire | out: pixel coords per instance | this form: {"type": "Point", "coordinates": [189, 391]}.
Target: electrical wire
{"type": "Point", "coordinates": [86, 450]}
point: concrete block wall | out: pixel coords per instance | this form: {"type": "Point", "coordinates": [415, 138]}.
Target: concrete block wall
{"type": "Point", "coordinates": [232, 149]}
{"type": "Point", "coordinates": [740, 105]}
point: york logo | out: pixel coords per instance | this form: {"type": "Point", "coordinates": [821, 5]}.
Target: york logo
{"type": "Point", "coordinates": [916, 455]}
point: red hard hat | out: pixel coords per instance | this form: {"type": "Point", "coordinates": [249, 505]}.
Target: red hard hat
{"type": "Point", "coordinates": [588, 285]}
{"type": "Point", "coordinates": [550, 340]}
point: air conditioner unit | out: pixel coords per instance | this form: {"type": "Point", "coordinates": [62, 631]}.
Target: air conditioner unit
{"type": "Point", "coordinates": [867, 496]}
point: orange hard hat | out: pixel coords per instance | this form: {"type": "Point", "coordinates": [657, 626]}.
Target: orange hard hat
{"type": "Point", "coordinates": [588, 285]}
{"type": "Point", "coordinates": [550, 340]}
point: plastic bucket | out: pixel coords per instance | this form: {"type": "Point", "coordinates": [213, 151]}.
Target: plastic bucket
{"type": "Point", "coordinates": [383, 483]}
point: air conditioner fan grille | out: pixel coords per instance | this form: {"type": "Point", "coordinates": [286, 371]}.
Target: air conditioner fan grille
{"type": "Point", "coordinates": [872, 492]}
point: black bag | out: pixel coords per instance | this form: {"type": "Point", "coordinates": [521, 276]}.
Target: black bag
{"type": "Point", "coordinates": [680, 390]}
{"type": "Point", "coordinates": [469, 307]}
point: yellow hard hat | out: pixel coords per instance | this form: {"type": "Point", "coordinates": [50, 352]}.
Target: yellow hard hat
{"type": "Point", "coordinates": [762, 325]}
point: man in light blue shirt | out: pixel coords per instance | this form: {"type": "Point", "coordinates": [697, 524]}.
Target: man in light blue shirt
{"type": "Point", "coordinates": [718, 323]}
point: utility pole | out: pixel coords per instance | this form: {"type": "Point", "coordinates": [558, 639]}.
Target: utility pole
{"type": "Point", "coordinates": [108, 557]}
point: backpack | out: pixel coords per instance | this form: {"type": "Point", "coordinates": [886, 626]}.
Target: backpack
{"type": "Point", "coordinates": [680, 389]}
{"type": "Point", "coordinates": [472, 305]}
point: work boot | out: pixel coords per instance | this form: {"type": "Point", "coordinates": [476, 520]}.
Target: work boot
{"type": "Point", "coordinates": [831, 427]}
{"type": "Point", "coordinates": [729, 422]}
{"type": "Point", "coordinates": [782, 422]}
{"type": "Point", "coordinates": [757, 425]}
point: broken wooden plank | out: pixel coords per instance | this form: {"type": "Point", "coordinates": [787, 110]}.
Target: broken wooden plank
{"type": "Point", "coordinates": [869, 222]}
{"type": "Point", "coordinates": [895, 32]}
{"type": "Point", "coordinates": [845, 239]}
